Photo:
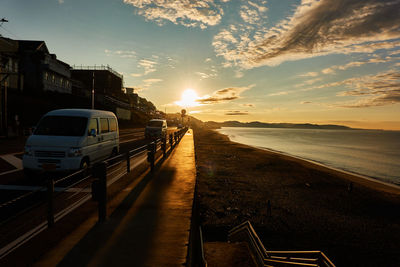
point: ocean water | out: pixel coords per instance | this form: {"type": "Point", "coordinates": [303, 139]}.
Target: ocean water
{"type": "Point", "coordinates": [372, 153]}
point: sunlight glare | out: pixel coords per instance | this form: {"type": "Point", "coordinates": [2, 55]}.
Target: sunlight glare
{"type": "Point", "coordinates": [188, 99]}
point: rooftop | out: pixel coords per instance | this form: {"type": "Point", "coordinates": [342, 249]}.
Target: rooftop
{"type": "Point", "coordinates": [97, 67]}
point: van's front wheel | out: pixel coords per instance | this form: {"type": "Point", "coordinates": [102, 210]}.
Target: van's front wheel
{"type": "Point", "coordinates": [85, 165]}
{"type": "Point", "coordinates": [114, 152]}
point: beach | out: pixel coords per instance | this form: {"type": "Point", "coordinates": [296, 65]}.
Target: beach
{"type": "Point", "coordinates": [354, 221]}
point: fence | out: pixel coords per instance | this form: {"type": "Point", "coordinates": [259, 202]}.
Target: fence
{"type": "Point", "coordinates": [24, 217]}
{"type": "Point", "coordinates": [97, 67]}
{"type": "Point", "coordinates": [245, 232]}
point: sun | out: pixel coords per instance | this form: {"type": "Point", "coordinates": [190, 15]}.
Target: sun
{"type": "Point", "coordinates": [188, 98]}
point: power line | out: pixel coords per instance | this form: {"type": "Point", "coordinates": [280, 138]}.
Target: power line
{"type": "Point", "coordinates": [2, 21]}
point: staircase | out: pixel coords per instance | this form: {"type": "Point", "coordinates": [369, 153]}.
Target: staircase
{"type": "Point", "coordinates": [245, 233]}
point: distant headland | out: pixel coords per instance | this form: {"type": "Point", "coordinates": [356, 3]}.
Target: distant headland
{"type": "Point", "coordinates": [257, 124]}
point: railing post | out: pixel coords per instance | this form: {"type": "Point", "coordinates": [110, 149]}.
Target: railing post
{"type": "Point", "coordinates": [50, 202]}
{"type": "Point", "coordinates": [128, 162]}
{"type": "Point", "coordinates": [164, 147]}
{"type": "Point", "coordinates": [150, 154]}
{"type": "Point", "coordinates": [100, 172]}
{"type": "Point", "coordinates": [170, 141]}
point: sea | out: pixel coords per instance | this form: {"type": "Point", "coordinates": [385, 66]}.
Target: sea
{"type": "Point", "coordinates": [371, 153]}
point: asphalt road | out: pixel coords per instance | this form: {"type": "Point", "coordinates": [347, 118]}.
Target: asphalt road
{"type": "Point", "coordinates": [23, 200]}
{"type": "Point", "coordinates": [14, 184]}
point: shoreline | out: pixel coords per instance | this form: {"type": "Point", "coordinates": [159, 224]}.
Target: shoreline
{"type": "Point", "coordinates": [369, 181]}
{"type": "Point", "coordinates": [355, 177]}
{"type": "Point", "coordinates": [295, 204]}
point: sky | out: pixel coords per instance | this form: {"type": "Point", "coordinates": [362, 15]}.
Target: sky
{"type": "Point", "coordinates": [325, 62]}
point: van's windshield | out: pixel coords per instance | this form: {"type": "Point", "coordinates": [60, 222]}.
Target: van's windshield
{"type": "Point", "coordinates": [62, 126]}
{"type": "Point", "coordinates": [155, 124]}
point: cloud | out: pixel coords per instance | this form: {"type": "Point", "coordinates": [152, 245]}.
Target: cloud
{"type": "Point", "coordinates": [204, 75]}
{"type": "Point", "coordinates": [316, 28]}
{"type": "Point", "coordinates": [305, 102]}
{"type": "Point", "coordinates": [200, 13]}
{"type": "Point", "coordinates": [151, 81]}
{"type": "Point", "coordinates": [239, 74]}
{"type": "Point", "coordinates": [147, 83]}
{"type": "Point", "coordinates": [328, 71]}
{"type": "Point", "coordinates": [237, 112]}
{"type": "Point", "coordinates": [373, 90]}
{"type": "Point", "coordinates": [376, 60]}
{"type": "Point", "coordinates": [279, 93]}
{"type": "Point", "coordinates": [248, 105]}
{"type": "Point", "coordinates": [147, 65]}
{"type": "Point", "coordinates": [309, 74]}
{"type": "Point", "coordinates": [309, 82]}
{"type": "Point", "coordinates": [61, 2]}
{"type": "Point", "coordinates": [121, 53]}
{"type": "Point", "coordinates": [224, 95]}
{"type": "Point", "coordinates": [252, 13]}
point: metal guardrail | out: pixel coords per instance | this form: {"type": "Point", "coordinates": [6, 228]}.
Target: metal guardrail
{"type": "Point", "coordinates": [92, 184]}
{"type": "Point", "coordinates": [203, 258]}
{"type": "Point", "coordinates": [245, 232]}
{"type": "Point", "coordinates": [97, 67]}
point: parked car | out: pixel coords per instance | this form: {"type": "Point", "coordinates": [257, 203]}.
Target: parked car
{"type": "Point", "coordinates": [156, 128]}
{"type": "Point", "coordinates": [71, 139]}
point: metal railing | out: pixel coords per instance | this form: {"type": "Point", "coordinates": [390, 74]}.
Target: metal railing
{"type": "Point", "coordinates": [245, 232]}
{"type": "Point", "coordinates": [97, 67]}
{"type": "Point", "coordinates": [43, 206]}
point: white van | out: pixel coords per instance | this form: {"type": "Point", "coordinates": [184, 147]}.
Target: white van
{"type": "Point", "coordinates": [71, 139]}
{"type": "Point", "coordinates": [156, 128]}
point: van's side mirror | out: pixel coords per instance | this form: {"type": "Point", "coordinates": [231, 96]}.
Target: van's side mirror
{"type": "Point", "coordinates": [93, 132]}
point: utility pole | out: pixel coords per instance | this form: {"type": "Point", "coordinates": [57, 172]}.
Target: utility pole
{"type": "Point", "coordinates": [93, 90]}
{"type": "Point", "coordinates": [5, 108]}
{"type": "Point", "coordinates": [3, 90]}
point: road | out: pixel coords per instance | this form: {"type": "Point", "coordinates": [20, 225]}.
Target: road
{"type": "Point", "coordinates": [13, 182]}
{"type": "Point", "coordinates": [24, 201]}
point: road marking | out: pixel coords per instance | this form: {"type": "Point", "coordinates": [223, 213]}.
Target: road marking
{"type": "Point", "coordinates": [8, 172]}
{"type": "Point", "coordinates": [116, 178]}
{"type": "Point", "coordinates": [13, 160]}
{"type": "Point", "coordinates": [130, 140]}
{"type": "Point", "coordinates": [33, 188]}
{"type": "Point", "coordinates": [136, 163]}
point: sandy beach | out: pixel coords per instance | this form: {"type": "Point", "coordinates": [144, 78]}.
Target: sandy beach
{"type": "Point", "coordinates": [354, 221]}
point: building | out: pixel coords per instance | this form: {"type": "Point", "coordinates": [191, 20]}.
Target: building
{"type": "Point", "coordinates": [34, 68]}
{"type": "Point", "coordinates": [9, 78]}
{"type": "Point", "coordinates": [27, 69]}
{"type": "Point", "coordinates": [103, 79]}
{"type": "Point", "coordinates": [43, 71]}
{"type": "Point", "coordinates": [107, 86]}
{"type": "Point", "coordinates": [129, 90]}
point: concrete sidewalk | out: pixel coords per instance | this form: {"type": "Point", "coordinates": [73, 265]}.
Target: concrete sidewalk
{"type": "Point", "coordinates": [151, 229]}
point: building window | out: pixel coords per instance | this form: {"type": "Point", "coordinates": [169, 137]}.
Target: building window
{"type": "Point", "coordinates": [46, 75]}
{"type": "Point", "coordinates": [61, 81]}
{"type": "Point", "coordinates": [53, 78]}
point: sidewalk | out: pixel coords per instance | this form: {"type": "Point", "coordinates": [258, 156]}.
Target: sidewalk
{"type": "Point", "coordinates": [12, 145]}
{"type": "Point", "coordinates": [153, 229]}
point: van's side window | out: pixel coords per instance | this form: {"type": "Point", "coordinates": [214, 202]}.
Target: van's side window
{"type": "Point", "coordinates": [93, 125]}
{"type": "Point", "coordinates": [104, 125]}
{"type": "Point", "coordinates": [113, 125]}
